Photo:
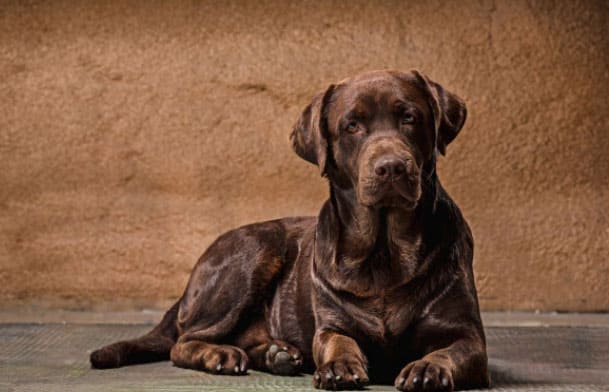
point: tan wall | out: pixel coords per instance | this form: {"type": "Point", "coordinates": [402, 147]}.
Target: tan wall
{"type": "Point", "coordinates": [132, 134]}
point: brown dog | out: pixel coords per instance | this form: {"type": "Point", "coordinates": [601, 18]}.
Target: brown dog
{"type": "Point", "coordinates": [379, 286]}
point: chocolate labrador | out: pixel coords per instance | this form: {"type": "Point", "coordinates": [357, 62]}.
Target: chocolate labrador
{"type": "Point", "coordinates": [379, 286]}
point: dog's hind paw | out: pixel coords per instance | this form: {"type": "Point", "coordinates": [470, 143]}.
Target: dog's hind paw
{"type": "Point", "coordinates": [283, 359]}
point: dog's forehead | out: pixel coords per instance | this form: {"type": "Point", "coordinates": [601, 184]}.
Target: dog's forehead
{"type": "Point", "coordinates": [377, 90]}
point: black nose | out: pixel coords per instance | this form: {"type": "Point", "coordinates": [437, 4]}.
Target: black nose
{"type": "Point", "coordinates": [389, 167]}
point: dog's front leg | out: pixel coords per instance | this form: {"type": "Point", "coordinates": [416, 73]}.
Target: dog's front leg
{"type": "Point", "coordinates": [451, 340]}
{"type": "Point", "coordinates": [340, 362]}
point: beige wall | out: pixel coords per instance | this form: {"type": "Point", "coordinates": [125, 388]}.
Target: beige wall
{"type": "Point", "coordinates": [132, 134]}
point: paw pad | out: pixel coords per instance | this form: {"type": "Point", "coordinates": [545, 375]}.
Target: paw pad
{"type": "Point", "coordinates": [283, 359]}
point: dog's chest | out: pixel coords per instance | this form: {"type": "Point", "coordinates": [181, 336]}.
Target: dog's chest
{"type": "Point", "coordinates": [385, 318]}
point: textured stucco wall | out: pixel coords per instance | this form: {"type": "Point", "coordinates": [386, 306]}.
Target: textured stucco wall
{"type": "Point", "coordinates": [133, 133]}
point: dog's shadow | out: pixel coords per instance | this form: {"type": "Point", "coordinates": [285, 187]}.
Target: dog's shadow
{"type": "Point", "coordinates": [503, 377]}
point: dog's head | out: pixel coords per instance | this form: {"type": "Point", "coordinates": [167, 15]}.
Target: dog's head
{"type": "Point", "coordinates": [375, 132]}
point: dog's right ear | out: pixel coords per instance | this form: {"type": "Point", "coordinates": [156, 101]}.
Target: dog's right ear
{"type": "Point", "coordinates": [310, 134]}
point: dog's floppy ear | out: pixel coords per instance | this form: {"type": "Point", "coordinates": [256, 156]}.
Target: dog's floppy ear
{"type": "Point", "coordinates": [310, 135]}
{"type": "Point", "coordinates": [449, 111]}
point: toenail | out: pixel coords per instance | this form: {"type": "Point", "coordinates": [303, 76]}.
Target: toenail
{"type": "Point", "coordinates": [273, 349]}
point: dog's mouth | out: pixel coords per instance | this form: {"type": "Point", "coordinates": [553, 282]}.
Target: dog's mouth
{"type": "Point", "coordinates": [403, 194]}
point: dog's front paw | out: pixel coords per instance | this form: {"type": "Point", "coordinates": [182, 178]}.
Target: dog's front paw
{"type": "Point", "coordinates": [424, 376]}
{"type": "Point", "coordinates": [340, 374]}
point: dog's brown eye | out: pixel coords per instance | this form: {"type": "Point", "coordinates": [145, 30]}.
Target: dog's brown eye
{"type": "Point", "coordinates": [407, 118]}
{"type": "Point", "coordinates": [351, 127]}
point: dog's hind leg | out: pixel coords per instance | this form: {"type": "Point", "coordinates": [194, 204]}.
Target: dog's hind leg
{"type": "Point", "coordinates": [207, 346]}
{"type": "Point", "coordinates": [152, 347]}
{"type": "Point", "coordinates": [247, 344]}
{"type": "Point", "coordinates": [225, 297]}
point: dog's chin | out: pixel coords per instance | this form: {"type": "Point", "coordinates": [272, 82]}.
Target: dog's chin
{"type": "Point", "coordinates": [390, 196]}
{"type": "Point", "coordinates": [397, 202]}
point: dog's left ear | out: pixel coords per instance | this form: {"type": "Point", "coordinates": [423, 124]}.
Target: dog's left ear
{"type": "Point", "coordinates": [310, 135]}
{"type": "Point", "coordinates": [449, 111]}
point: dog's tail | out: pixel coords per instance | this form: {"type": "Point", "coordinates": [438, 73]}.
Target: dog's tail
{"type": "Point", "coordinates": [152, 347]}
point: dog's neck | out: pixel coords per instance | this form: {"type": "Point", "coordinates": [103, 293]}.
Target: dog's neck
{"type": "Point", "coordinates": [373, 246]}
{"type": "Point", "coordinates": [374, 232]}
{"type": "Point", "coordinates": [377, 244]}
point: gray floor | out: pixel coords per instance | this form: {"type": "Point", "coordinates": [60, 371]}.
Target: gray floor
{"type": "Point", "coordinates": [53, 357]}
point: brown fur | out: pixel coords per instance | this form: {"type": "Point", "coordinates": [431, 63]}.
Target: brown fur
{"type": "Point", "coordinates": [378, 287]}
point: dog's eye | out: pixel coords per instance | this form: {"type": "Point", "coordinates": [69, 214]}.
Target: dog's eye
{"type": "Point", "coordinates": [407, 118]}
{"type": "Point", "coordinates": [352, 127]}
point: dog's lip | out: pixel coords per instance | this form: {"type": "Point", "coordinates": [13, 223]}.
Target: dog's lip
{"type": "Point", "coordinates": [405, 191]}
{"type": "Point", "coordinates": [392, 194]}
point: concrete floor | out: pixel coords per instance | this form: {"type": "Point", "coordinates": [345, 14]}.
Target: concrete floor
{"type": "Point", "coordinates": [48, 351]}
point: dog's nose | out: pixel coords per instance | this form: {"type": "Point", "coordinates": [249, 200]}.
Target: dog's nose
{"type": "Point", "coordinates": [389, 168]}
